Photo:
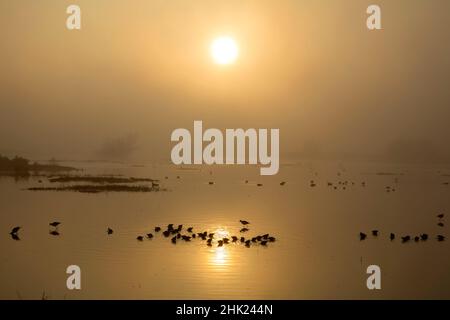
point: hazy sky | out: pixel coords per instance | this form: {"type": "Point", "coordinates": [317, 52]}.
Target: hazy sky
{"type": "Point", "coordinates": [139, 69]}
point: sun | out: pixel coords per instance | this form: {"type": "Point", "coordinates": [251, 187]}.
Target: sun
{"type": "Point", "coordinates": [224, 50]}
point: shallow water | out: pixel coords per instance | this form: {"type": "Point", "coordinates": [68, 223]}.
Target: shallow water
{"type": "Point", "coordinates": [317, 253]}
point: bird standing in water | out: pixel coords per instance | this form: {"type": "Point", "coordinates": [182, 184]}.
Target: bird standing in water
{"type": "Point", "coordinates": [186, 238]}
{"type": "Point", "coordinates": [406, 239]}
{"type": "Point", "coordinates": [14, 234]}
{"type": "Point", "coordinates": [54, 224]}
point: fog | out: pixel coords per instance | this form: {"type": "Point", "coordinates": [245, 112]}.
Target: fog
{"type": "Point", "coordinates": [138, 70]}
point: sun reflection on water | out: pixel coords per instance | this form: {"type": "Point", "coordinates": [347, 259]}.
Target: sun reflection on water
{"type": "Point", "coordinates": [221, 233]}
{"type": "Point", "coordinates": [220, 257]}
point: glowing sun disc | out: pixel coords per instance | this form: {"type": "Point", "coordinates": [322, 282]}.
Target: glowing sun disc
{"type": "Point", "coordinates": [224, 50]}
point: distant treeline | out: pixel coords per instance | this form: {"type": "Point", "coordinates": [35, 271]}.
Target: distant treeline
{"type": "Point", "coordinates": [22, 165]}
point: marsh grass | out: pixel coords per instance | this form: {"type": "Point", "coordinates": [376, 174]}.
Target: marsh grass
{"type": "Point", "coordinates": [100, 188]}
{"type": "Point", "coordinates": [99, 179]}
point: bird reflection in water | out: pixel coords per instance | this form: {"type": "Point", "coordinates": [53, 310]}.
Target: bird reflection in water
{"type": "Point", "coordinates": [15, 237]}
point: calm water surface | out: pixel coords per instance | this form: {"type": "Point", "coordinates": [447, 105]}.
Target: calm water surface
{"type": "Point", "coordinates": [317, 253]}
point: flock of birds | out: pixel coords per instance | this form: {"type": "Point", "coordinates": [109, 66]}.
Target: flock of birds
{"type": "Point", "coordinates": [408, 238]}
{"type": "Point", "coordinates": [340, 184]}
{"type": "Point", "coordinates": [53, 231]}
{"type": "Point", "coordinates": [175, 234]}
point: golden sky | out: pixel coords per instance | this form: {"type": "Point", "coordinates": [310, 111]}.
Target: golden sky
{"type": "Point", "coordinates": [139, 69]}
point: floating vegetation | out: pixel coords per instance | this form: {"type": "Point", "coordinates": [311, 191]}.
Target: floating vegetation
{"type": "Point", "coordinates": [101, 188]}
{"type": "Point", "coordinates": [98, 179]}
{"type": "Point", "coordinates": [388, 174]}
{"type": "Point", "coordinates": [23, 167]}
{"type": "Point", "coordinates": [100, 183]}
